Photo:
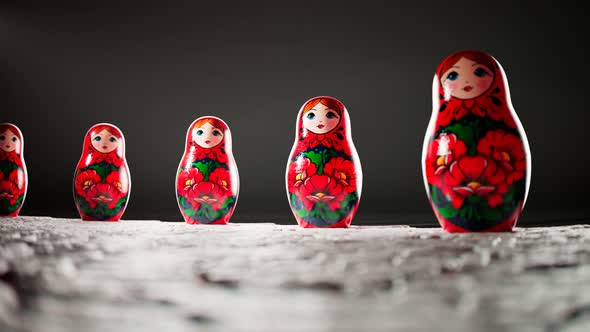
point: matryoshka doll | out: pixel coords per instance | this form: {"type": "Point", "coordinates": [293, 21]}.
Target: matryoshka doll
{"type": "Point", "coordinates": [207, 181]}
{"type": "Point", "coordinates": [324, 176]}
{"type": "Point", "coordinates": [102, 183]}
{"type": "Point", "coordinates": [475, 159]}
{"type": "Point", "coordinates": [13, 171]}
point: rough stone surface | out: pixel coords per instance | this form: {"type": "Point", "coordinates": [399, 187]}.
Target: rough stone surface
{"type": "Point", "coordinates": [69, 275]}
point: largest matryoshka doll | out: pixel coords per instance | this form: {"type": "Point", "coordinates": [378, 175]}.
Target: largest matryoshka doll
{"type": "Point", "coordinates": [13, 171]}
{"type": "Point", "coordinates": [101, 183]}
{"type": "Point", "coordinates": [207, 180]}
{"type": "Point", "coordinates": [324, 176]}
{"type": "Point", "coordinates": [475, 158]}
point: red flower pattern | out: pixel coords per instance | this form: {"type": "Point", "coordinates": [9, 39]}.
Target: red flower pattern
{"type": "Point", "coordinates": [329, 140]}
{"type": "Point", "coordinates": [507, 151]}
{"type": "Point", "coordinates": [12, 157]}
{"type": "Point", "coordinates": [221, 177]}
{"type": "Point", "coordinates": [342, 170]}
{"type": "Point", "coordinates": [9, 191]}
{"type": "Point", "coordinates": [475, 176]}
{"type": "Point", "coordinates": [103, 193]}
{"type": "Point", "coordinates": [215, 153]}
{"type": "Point", "coordinates": [441, 154]}
{"type": "Point", "coordinates": [206, 192]}
{"type": "Point", "coordinates": [111, 158]}
{"type": "Point", "coordinates": [299, 171]}
{"type": "Point", "coordinates": [17, 176]}
{"type": "Point", "coordinates": [118, 182]}
{"type": "Point", "coordinates": [456, 109]}
{"type": "Point", "coordinates": [188, 179]}
{"type": "Point", "coordinates": [321, 188]}
{"type": "Point", "coordinates": [85, 180]}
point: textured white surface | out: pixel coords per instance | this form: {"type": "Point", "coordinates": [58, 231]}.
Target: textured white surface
{"type": "Point", "coordinates": [69, 275]}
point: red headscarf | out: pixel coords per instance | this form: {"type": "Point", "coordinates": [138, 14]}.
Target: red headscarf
{"type": "Point", "coordinates": [12, 156]}
{"type": "Point", "coordinates": [91, 156]}
{"type": "Point", "coordinates": [494, 102]}
{"type": "Point", "coordinates": [337, 139]}
{"type": "Point", "coordinates": [218, 152]}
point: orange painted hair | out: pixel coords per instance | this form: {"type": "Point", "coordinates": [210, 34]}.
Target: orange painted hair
{"type": "Point", "coordinates": [212, 121]}
{"type": "Point", "coordinates": [328, 102]}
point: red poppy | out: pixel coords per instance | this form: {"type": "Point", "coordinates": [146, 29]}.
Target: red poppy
{"type": "Point", "coordinates": [470, 176]}
{"type": "Point", "coordinates": [299, 171]}
{"type": "Point", "coordinates": [118, 182]}
{"type": "Point", "coordinates": [17, 176]}
{"type": "Point", "coordinates": [342, 170]}
{"type": "Point", "coordinates": [189, 178]}
{"type": "Point", "coordinates": [85, 180]}
{"type": "Point", "coordinates": [222, 178]}
{"type": "Point", "coordinates": [206, 192]}
{"type": "Point", "coordinates": [9, 191]}
{"type": "Point", "coordinates": [441, 154]}
{"type": "Point", "coordinates": [321, 188]}
{"type": "Point", "coordinates": [507, 151]}
{"type": "Point", "coordinates": [103, 193]}
{"type": "Point", "coordinates": [1, 176]}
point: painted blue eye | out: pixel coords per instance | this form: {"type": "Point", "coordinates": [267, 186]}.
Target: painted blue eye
{"type": "Point", "coordinates": [14, 139]}
{"type": "Point", "coordinates": [216, 133]}
{"type": "Point", "coordinates": [2, 137]}
{"type": "Point", "coordinates": [331, 115]}
{"type": "Point", "coordinates": [199, 132]}
{"type": "Point", "coordinates": [452, 76]}
{"type": "Point", "coordinates": [98, 138]}
{"type": "Point", "coordinates": [480, 72]}
{"type": "Point", "coordinates": [310, 115]}
{"type": "Point", "coordinates": [112, 140]}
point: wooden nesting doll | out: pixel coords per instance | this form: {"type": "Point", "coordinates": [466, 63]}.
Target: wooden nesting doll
{"type": "Point", "coordinates": [475, 159]}
{"type": "Point", "coordinates": [13, 171]}
{"type": "Point", "coordinates": [207, 181]}
{"type": "Point", "coordinates": [324, 176]}
{"type": "Point", "coordinates": [102, 183]}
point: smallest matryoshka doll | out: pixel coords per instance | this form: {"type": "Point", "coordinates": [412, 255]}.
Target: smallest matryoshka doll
{"type": "Point", "coordinates": [13, 171]}
{"type": "Point", "coordinates": [101, 182]}
{"type": "Point", "coordinates": [207, 181]}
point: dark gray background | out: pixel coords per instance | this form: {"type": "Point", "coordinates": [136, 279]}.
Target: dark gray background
{"type": "Point", "coordinates": [151, 71]}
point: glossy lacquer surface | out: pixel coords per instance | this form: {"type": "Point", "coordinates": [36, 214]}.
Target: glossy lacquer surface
{"type": "Point", "coordinates": [207, 181]}
{"type": "Point", "coordinates": [476, 159]}
{"type": "Point", "coordinates": [13, 171]}
{"type": "Point", "coordinates": [101, 182]}
{"type": "Point", "coordinates": [324, 176]}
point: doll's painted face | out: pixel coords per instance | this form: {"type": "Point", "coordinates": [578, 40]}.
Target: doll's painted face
{"type": "Point", "coordinates": [207, 136]}
{"type": "Point", "coordinates": [466, 79]}
{"type": "Point", "coordinates": [104, 141]}
{"type": "Point", "coordinates": [9, 142]}
{"type": "Point", "coordinates": [320, 119]}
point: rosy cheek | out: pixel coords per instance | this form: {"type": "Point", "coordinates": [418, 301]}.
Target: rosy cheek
{"type": "Point", "coordinates": [453, 86]}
